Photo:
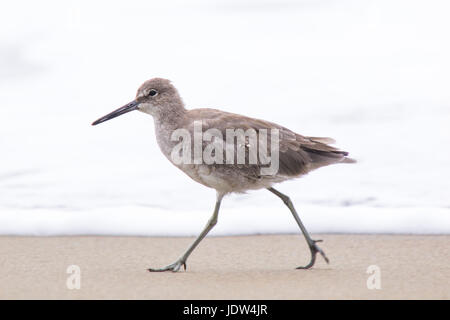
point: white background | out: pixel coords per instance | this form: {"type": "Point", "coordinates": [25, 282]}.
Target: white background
{"type": "Point", "coordinates": [374, 75]}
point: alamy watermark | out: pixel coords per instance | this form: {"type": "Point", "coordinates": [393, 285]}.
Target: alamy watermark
{"type": "Point", "coordinates": [237, 147]}
{"type": "Point", "coordinates": [374, 280]}
{"type": "Point", "coordinates": [74, 280]}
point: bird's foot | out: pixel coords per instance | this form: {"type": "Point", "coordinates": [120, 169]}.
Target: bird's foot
{"type": "Point", "coordinates": [174, 267]}
{"type": "Point", "coordinates": [314, 250]}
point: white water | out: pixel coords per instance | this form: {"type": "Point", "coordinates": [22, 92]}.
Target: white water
{"type": "Point", "coordinates": [372, 74]}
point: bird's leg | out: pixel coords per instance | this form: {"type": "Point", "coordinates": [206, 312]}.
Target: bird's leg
{"type": "Point", "coordinates": [182, 260]}
{"type": "Point", "coordinates": [311, 243]}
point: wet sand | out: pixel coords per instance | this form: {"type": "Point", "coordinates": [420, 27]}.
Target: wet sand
{"type": "Point", "coordinates": [244, 267]}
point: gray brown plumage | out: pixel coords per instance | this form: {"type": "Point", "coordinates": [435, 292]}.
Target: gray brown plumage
{"type": "Point", "coordinates": [298, 154]}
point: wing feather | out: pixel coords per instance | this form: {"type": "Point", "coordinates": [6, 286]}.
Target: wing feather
{"type": "Point", "coordinates": [298, 154]}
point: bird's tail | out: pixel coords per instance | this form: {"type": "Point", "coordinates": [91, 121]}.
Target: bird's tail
{"type": "Point", "coordinates": [348, 160]}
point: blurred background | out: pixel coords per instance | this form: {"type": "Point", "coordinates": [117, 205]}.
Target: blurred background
{"type": "Point", "coordinates": [374, 75]}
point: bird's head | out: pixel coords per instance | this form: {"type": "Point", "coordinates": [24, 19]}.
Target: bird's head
{"type": "Point", "coordinates": [157, 97]}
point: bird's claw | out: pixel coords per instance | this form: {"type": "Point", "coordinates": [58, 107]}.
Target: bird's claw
{"type": "Point", "coordinates": [174, 267]}
{"type": "Point", "coordinates": [314, 250]}
{"type": "Point", "coordinates": [317, 249]}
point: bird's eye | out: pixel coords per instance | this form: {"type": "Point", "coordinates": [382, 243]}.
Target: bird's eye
{"type": "Point", "coordinates": [152, 93]}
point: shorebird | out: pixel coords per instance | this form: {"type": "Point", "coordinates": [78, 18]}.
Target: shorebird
{"type": "Point", "coordinates": [297, 154]}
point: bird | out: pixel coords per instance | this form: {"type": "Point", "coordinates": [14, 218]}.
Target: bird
{"type": "Point", "coordinates": [297, 154]}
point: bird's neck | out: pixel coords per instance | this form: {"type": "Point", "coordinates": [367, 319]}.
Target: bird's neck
{"type": "Point", "coordinates": [170, 116]}
{"type": "Point", "coordinates": [165, 124]}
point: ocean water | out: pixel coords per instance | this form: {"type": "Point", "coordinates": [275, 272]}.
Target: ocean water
{"type": "Point", "coordinates": [374, 75]}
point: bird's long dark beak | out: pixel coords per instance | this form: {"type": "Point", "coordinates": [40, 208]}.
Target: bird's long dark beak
{"type": "Point", "coordinates": [133, 105]}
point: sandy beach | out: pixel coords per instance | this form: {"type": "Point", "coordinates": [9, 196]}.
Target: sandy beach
{"type": "Point", "coordinates": [245, 267]}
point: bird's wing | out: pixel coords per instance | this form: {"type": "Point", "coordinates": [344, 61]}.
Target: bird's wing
{"type": "Point", "coordinates": [297, 154]}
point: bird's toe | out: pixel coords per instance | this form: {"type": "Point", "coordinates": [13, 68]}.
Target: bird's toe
{"type": "Point", "coordinates": [174, 267]}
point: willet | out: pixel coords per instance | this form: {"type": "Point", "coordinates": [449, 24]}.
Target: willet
{"type": "Point", "coordinates": [295, 154]}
